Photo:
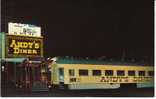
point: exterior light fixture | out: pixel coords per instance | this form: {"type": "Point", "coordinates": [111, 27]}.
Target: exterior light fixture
{"type": "Point", "coordinates": [2, 68]}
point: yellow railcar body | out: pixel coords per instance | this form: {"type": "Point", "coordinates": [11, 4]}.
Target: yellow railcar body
{"type": "Point", "coordinates": [102, 79]}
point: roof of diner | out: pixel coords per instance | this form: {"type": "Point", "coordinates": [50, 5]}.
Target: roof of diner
{"type": "Point", "coordinates": [72, 60]}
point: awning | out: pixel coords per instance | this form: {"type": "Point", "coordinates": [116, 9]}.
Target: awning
{"type": "Point", "coordinates": [16, 60]}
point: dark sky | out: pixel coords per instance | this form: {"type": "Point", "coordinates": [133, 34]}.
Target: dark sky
{"type": "Point", "coordinates": [88, 27]}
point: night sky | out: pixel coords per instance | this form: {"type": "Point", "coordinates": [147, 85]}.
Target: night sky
{"type": "Point", "coordinates": [88, 27]}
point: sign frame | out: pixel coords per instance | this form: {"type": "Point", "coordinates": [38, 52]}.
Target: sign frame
{"type": "Point", "coordinates": [24, 29]}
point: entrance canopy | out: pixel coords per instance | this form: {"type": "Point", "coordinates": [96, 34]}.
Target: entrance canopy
{"type": "Point", "coordinates": [16, 60]}
{"type": "Point", "coordinates": [20, 60]}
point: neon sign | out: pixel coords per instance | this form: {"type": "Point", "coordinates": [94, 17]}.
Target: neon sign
{"type": "Point", "coordinates": [24, 46]}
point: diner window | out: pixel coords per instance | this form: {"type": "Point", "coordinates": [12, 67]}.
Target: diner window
{"type": "Point", "coordinates": [150, 73]}
{"type": "Point", "coordinates": [108, 72]}
{"type": "Point", "coordinates": [120, 73]}
{"type": "Point", "coordinates": [83, 72]}
{"type": "Point", "coordinates": [141, 73]}
{"type": "Point", "coordinates": [96, 72]}
{"type": "Point", "coordinates": [131, 73]}
{"type": "Point", "coordinates": [71, 72]}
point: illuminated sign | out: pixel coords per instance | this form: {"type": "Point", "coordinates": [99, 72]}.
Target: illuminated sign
{"type": "Point", "coordinates": [17, 46]}
{"type": "Point", "coordinates": [24, 29]}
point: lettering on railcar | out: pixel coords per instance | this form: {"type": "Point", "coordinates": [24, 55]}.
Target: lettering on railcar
{"type": "Point", "coordinates": [114, 79]}
{"type": "Point", "coordinates": [143, 79]}
{"type": "Point", "coordinates": [126, 79]}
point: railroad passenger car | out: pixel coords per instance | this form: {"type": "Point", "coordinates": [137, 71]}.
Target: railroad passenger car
{"type": "Point", "coordinates": [92, 74]}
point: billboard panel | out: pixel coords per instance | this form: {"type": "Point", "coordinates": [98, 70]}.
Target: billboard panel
{"type": "Point", "coordinates": [22, 46]}
{"type": "Point", "coordinates": [24, 29]}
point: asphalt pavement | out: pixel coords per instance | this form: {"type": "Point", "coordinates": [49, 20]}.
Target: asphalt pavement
{"type": "Point", "coordinates": [144, 92]}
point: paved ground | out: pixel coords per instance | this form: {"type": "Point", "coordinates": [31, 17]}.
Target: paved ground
{"type": "Point", "coordinates": [146, 92]}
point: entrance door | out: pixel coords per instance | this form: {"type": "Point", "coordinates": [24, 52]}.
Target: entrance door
{"type": "Point", "coordinates": [38, 84]}
{"type": "Point", "coordinates": [29, 77]}
{"type": "Point", "coordinates": [36, 76]}
{"type": "Point", "coordinates": [61, 74]}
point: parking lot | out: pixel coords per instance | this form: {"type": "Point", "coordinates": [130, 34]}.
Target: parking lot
{"type": "Point", "coordinates": [145, 92]}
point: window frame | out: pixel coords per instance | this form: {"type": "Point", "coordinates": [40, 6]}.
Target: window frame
{"type": "Point", "coordinates": [133, 74]}
{"type": "Point", "coordinates": [109, 73]}
{"type": "Point", "coordinates": [80, 71]}
{"type": "Point", "coordinates": [144, 73]}
{"type": "Point", "coordinates": [98, 74]}
{"type": "Point", "coordinates": [151, 72]}
{"type": "Point", "coordinates": [120, 73]}
{"type": "Point", "coordinates": [71, 72]}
